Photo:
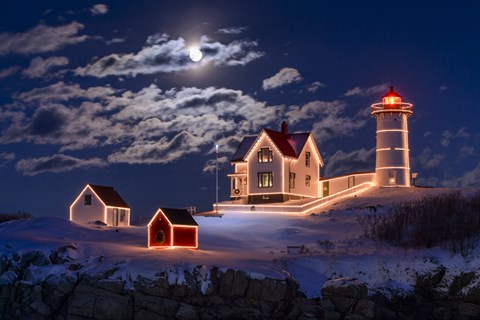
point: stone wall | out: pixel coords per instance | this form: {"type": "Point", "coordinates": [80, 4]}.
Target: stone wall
{"type": "Point", "coordinates": [201, 293]}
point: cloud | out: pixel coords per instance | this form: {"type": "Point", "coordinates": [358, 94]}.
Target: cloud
{"type": "Point", "coordinates": [39, 66]}
{"type": "Point", "coordinates": [211, 165]}
{"type": "Point", "coordinates": [57, 163]}
{"type": "Point", "coordinates": [355, 161]}
{"type": "Point", "coordinates": [114, 40]}
{"type": "Point", "coordinates": [283, 77]}
{"type": "Point", "coordinates": [428, 160]}
{"type": "Point", "coordinates": [232, 30]}
{"type": "Point", "coordinates": [164, 55]}
{"type": "Point", "coordinates": [443, 87]}
{"type": "Point", "coordinates": [466, 151]}
{"type": "Point", "coordinates": [315, 86]}
{"type": "Point", "coordinates": [162, 151]}
{"type": "Point", "coordinates": [41, 39]}
{"type": "Point", "coordinates": [6, 157]}
{"type": "Point", "coordinates": [61, 91]}
{"type": "Point", "coordinates": [330, 115]}
{"type": "Point", "coordinates": [358, 91]}
{"type": "Point", "coordinates": [99, 9]}
{"type": "Point", "coordinates": [448, 136]}
{"type": "Point", "coordinates": [9, 71]}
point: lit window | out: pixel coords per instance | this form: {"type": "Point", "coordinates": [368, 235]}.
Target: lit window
{"type": "Point", "coordinates": [307, 180]}
{"type": "Point", "coordinates": [88, 200]}
{"type": "Point", "coordinates": [265, 155]}
{"type": "Point", "coordinates": [265, 179]}
{"type": "Point", "coordinates": [392, 177]}
{"type": "Point", "coordinates": [307, 159]}
{"type": "Point", "coordinates": [292, 180]}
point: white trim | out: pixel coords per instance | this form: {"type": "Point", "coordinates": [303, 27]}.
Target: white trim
{"type": "Point", "coordinates": [392, 130]}
{"type": "Point", "coordinates": [392, 149]}
{"type": "Point", "coordinates": [385, 168]}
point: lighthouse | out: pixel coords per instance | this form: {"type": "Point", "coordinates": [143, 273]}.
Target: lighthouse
{"type": "Point", "coordinates": [392, 167]}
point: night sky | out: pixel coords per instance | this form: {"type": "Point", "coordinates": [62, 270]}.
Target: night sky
{"type": "Point", "coordinates": [105, 92]}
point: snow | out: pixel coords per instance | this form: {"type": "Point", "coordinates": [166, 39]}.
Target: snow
{"type": "Point", "coordinates": [257, 243]}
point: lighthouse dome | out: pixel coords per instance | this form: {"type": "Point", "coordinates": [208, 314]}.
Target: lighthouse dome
{"type": "Point", "coordinates": [391, 98]}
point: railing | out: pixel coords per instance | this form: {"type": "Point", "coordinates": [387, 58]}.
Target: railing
{"type": "Point", "coordinates": [398, 107]}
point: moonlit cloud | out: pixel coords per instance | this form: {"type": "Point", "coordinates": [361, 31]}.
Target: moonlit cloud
{"type": "Point", "coordinates": [161, 54]}
{"type": "Point", "coordinates": [9, 71]}
{"type": "Point", "coordinates": [39, 66]}
{"type": "Point", "coordinates": [62, 91]}
{"type": "Point", "coordinates": [283, 77]}
{"type": "Point", "coordinates": [57, 163]}
{"type": "Point", "coordinates": [315, 86]}
{"type": "Point", "coordinates": [211, 165]}
{"type": "Point", "coordinates": [99, 9]}
{"type": "Point", "coordinates": [328, 116]}
{"type": "Point", "coordinates": [232, 30]}
{"type": "Point", "coordinates": [41, 39]}
{"type": "Point", "coordinates": [6, 157]}
{"type": "Point", "coordinates": [341, 162]}
{"type": "Point", "coordinates": [358, 91]}
{"type": "Point", "coordinates": [427, 159]}
{"type": "Point", "coordinates": [448, 136]}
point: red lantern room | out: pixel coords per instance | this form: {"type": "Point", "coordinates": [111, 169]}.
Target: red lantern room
{"type": "Point", "coordinates": [391, 99]}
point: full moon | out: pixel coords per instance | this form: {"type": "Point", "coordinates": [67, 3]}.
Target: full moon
{"type": "Point", "coordinates": [195, 54]}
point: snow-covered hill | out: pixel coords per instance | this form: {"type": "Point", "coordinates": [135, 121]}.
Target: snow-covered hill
{"type": "Point", "coordinates": [333, 241]}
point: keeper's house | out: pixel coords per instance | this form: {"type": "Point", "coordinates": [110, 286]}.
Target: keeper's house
{"type": "Point", "coordinates": [100, 203]}
{"type": "Point", "coordinates": [276, 166]}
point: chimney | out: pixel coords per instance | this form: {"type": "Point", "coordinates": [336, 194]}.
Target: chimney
{"type": "Point", "coordinates": [284, 128]}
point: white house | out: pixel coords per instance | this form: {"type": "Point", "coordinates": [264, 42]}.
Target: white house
{"type": "Point", "coordinates": [100, 203]}
{"type": "Point", "coordinates": [276, 166]}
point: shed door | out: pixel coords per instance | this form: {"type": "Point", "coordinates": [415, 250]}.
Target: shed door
{"type": "Point", "coordinates": [115, 217]}
{"type": "Point", "coordinates": [326, 188]}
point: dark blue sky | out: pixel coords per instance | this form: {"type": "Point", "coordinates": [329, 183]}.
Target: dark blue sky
{"type": "Point", "coordinates": [104, 92]}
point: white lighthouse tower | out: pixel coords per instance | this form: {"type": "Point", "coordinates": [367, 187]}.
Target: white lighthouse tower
{"type": "Point", "coordinates": [392, 168]}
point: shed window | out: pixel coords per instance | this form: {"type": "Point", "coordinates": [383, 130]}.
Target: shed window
{"type": "Point", "coordinates": [88, 200]}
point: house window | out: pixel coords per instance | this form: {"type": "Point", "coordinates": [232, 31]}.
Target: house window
{"type": "Point", "coordinates": [123, 215]}
{"type": "Point", "coordinates": [307, 159]}
{"type": "Point", "coordinates": [265, 155]}
{"type": "Point", "coordinates": [292, 180]}
{"type": "Point", "coordinates": [87, 200]}
{"type": "Point", "coordinates": [265, 179]}
{"type": "Point", "coordinates": [307, 180]}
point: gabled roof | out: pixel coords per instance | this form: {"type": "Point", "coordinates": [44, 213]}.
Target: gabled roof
{"type": "Point", "coordinates": [243, 148]}
{"type": "Point", "coordinates": [290, 145]}
{"type": "Point", "coordinates": [109, 196]}
{"type": "Point", "coordinates": [176, 216]}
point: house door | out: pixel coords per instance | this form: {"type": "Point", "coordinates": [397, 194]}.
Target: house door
{"type": "Point", "coordinates": [115, 217]}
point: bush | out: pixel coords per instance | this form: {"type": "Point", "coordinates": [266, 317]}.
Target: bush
{"type": "Point", "coordinates": [4, 217]}
{"type": "Point", "coordinates": [427, 222]}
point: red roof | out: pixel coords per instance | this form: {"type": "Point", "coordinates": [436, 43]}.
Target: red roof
{"type": "Point", "coordinates": [109, 196]}
{"type": "Point", "coordinates": [290, 145]}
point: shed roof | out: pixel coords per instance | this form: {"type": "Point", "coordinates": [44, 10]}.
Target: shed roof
{"type": "Point", "coordinates": [179, 216]}
{"type": "Point", "coordinates": [109, 196]}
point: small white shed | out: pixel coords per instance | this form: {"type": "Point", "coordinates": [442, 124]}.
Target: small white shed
{"type": "Point", "coordinates": [100, 203]}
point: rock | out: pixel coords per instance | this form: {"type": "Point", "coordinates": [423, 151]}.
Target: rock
{"type": "Point", "coordinates": [186, 312]}
{"type": "Point", "coordinates": [430, 280]}
{"type": "Point", "coordinates": [36, 258]}
{"type": "Point", "coordinates": [160, 306]}
{"type": "Point", "coordinates": [442, 313]}
{"type": "Point", "coordinates": [365, 308]}
{"type": "Point", "coordinates": [351, 316]}
{"type": "Point", "coordinates": [8, 278]}
{"type": "Point", "coordinates": [254, 290]}
{"type": "Point", "coordinates": [332, 315]}
{"type": "Point", "coordinates": [64, 254]}
{"type": "Point", "coordinates": [460, 281]}
{"type": "Point", "coordinates": [342, 304]}
{"type": "Point", "coordinates": [239, 284]}
{"type": "Point", "coordinates": [345, 287]}
{"type": "Point", "coordinates": [41, 308]}
{"type": "Point", "coordinates": [469, 310]}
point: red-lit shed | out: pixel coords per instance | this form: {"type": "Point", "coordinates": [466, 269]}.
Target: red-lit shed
{"type": "Point", "coordinates": [170, 228]}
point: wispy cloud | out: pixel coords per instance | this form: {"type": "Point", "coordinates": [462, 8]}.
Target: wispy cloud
{"type": "Point", "coordinates": [6, 157]}
{"type": "Point", "coordinates": [162, 54]}
{"type": "Point", "coordinates": [313, 87]}
{"type": "Point", "coordinates": [41, 39]}
{"type": "Point", "coordinates": [232, 30]}
{"type": "Point", "coordinates": [329, 114]}
{"type": "Point", "coordinates": [448, 136]}
{"type": "Point", "coordinates": [39, 67]}
{"type": "Point", "coordinates": [427, 159]}
{"type": "Point", "coordinates": [358, 91]}
{"type": "Point", "coordinates": [99, 9]}
{"type": "Point", "coordinates": [57, 163]}
{"type": "Point", "coordinates": [347, 162]}
{"type": "Point", "coordinates": [281, 78]}
{"type": "Point", "coordinates": [9, 71]}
